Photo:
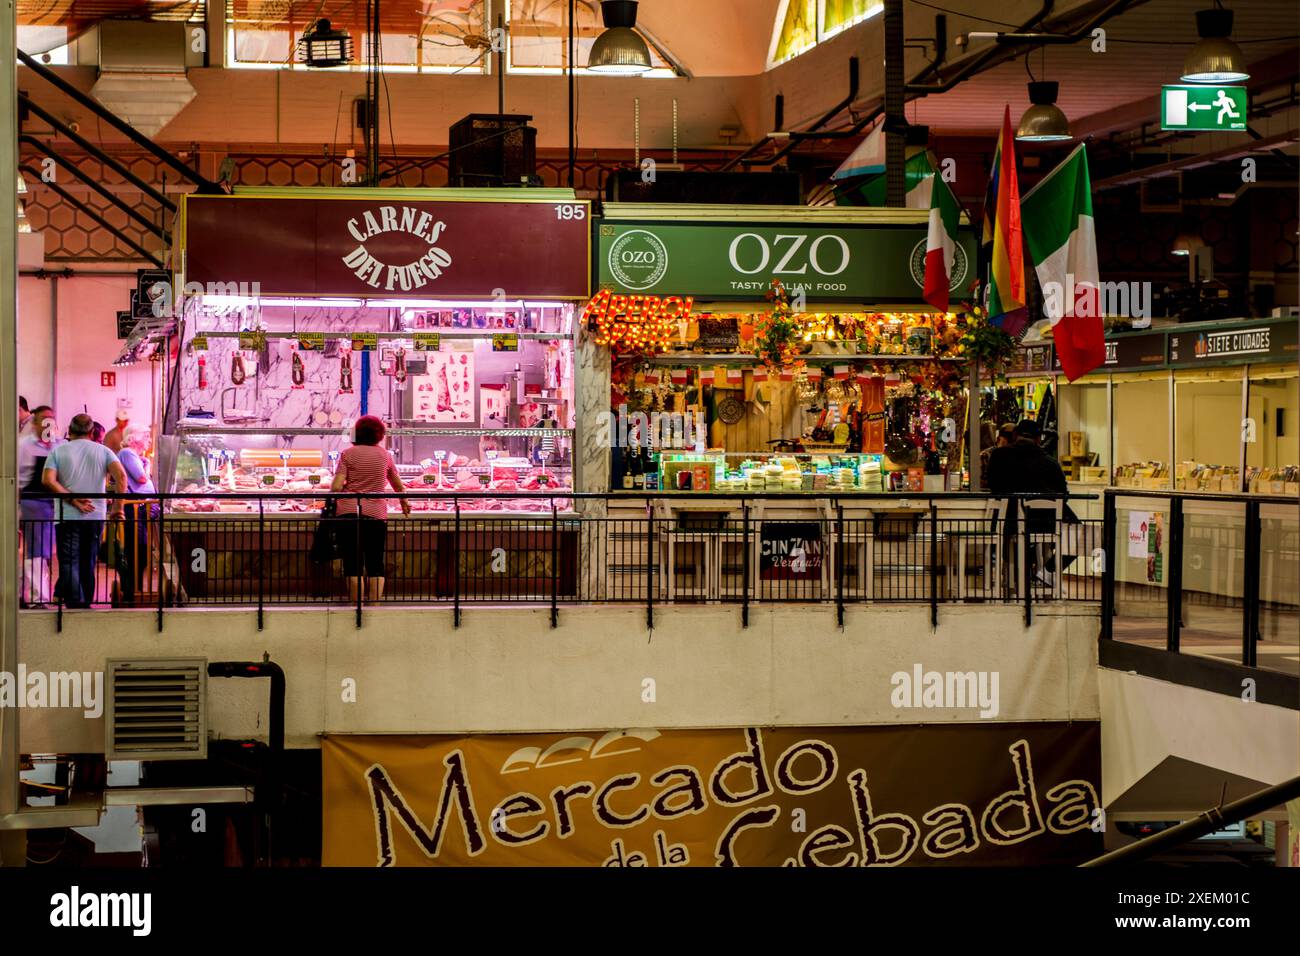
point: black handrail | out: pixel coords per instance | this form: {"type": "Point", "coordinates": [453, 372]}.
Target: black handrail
{"type": "Point", "coordinates": [1216, 818]}
{"type": "Point", "coordinates": [126, 129]}
{"type": "Point", "coordinates": [629, 496]}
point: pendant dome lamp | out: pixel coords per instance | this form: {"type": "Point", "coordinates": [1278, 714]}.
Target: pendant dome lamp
{"type": "Point", "coordinates": [1215, 58]}
{"type": "Point", "coordinates": [1043, 122]}
{"type": "Point", "coordinates": [620, 49]}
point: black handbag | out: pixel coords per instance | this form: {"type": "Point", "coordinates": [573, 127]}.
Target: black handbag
{"type": "Point", "coordinates": [325, 542]}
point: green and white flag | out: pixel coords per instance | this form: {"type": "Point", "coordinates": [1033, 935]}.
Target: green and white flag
{"type": "Point", "coordinates": [940, 242]}
{"type": "Point", "coordinates": [1056, 217]}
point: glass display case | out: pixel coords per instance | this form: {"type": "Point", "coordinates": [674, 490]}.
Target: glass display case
{"type": "Point", "coordinates": [217, 466]}
{"type": "Point", "coordinates": [769, 472]}
{"type": "Point", "coordinates": [475, 396]}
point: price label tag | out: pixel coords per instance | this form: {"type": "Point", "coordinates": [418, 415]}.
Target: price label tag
{"type": "Point", "coordinates": [430, 479]}
{"type": "Point", "coordinates": [313, 479]}
{"type": "Point", "coordinates": [365, 340]}
{"type": "Point", "coordinates": [427, 342]}
{"type": "Point", "coordinates": [505, 343]}
{"type": "Point", "coordinates": [268, 479]}
{"type": "Point", "coordinates": [250, 341]}
{"type": "Point", "coordinates": [199, 343]}
{"type": "Point", "coordinates": [311, 341]}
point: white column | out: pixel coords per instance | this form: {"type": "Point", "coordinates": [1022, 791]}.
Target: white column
{"type": "Point", "coordinates": [8, 408]}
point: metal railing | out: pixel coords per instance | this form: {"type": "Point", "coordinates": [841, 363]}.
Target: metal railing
{"type": "Point", "coordinates": [1213, 576]}
{"type": "Point", "coordinates": [554, 549]}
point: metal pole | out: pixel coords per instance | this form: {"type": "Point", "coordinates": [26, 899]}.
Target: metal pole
{"type": "Point", "coordinates": [934, 567]}
{"type": "Point", "coordinates": [555, 565]}
{"type": "Point", "coordinates": [1207, 822]}
{"type": "Point", "coordinates": [1250, 586]}
{"type": "Point", "coordinates": [160, 571]}
{"type": "Point", "coordinates": [1108, 565]}
{"type": "Point", "coordinates": [1174, 596]}
{"type": "Point", "coordinates": [973, 387]}
{"type": "Point", "coordinates": [9, 570]}
{"type": "Point", "coordinates": [839, 563]}
{"type": "Point", "coordinates": [500, 37]}
{"type": "Point", "coordinates": [455, 567]}
{"type": "Point", "coordinates": [1022, 529]}
{"type": "Point", "coordinates": [895, 119]}
{"type": "Point", "coordinates": [573, 146]}
{"type": "Point", "coordinates": [650, 564]}
{"type": "Point", "coordinates": [362, 582]}
{"type": "Point", "coordinates": [744, 584]}
{"type": "Point", "coordinates": [1245, 415]}
{"type": "Point", "coordinates": [261, 562]}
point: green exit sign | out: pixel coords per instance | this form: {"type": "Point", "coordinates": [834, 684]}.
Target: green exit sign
{"type": "Point", "coordinates": [1208, 107]}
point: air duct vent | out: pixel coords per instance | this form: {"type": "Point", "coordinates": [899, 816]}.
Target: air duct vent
{"type": "Point", "coordinates": [156, 709]}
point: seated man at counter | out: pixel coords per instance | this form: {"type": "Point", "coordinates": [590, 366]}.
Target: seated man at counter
{"type": "Point", "coordinates": [81, 466]}
{"type": "Point", "coordinates": [1022, 467]}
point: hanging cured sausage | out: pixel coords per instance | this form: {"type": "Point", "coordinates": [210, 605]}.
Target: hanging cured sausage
{"type": "Point", "coordinates": [237, 374]}
{"type": "Point", "coordinates": [345, 372]}
{"type": "Point", "coordinates": [298, 374]}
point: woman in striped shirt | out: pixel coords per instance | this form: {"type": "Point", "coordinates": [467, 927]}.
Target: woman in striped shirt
{"type": "Point", "coordinates": [365, 467]}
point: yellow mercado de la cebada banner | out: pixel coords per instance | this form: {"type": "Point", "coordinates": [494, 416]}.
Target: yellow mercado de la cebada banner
{"type": "Point", "coordinates": [963, 794]}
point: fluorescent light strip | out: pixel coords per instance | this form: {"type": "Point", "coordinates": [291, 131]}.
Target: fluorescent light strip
{"type": "Point", "coordinates": [496, 305]}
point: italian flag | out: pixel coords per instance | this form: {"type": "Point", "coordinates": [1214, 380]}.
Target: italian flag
{"type": "Point", "coordinates": [1056, 216]}
{"type": "Point", "coordinates": [940, 242]}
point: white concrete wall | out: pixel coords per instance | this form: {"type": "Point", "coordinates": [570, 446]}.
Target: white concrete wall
{"type": "Point", "coordinates": [507, 670]}
{"type": "Point", "coordinates": [1144, 720]}
{"type": "Point", "coordinates": [61, 366]}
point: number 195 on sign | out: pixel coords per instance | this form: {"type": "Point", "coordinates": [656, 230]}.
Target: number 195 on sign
{"type": "Point", "coordinates": [570, 211]}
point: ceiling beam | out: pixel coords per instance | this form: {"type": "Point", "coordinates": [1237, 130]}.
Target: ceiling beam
{"type": "Point", "coordinates": [1200, 159]}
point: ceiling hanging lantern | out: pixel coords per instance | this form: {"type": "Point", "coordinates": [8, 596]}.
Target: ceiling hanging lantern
{"type": "Point", "coordinates": [322, 46]}
{"type": "Point", "coordinates": [1215, 58]}
{"type": "Point", "coordinates": [1043, 122]}
{"type": "Point", "coordinates": [620, 49]}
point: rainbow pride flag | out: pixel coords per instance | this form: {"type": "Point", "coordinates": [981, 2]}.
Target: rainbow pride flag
{"type": "Point", "coordinates": [1004, 288]}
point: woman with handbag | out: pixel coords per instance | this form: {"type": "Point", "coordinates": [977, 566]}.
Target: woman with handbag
{"type": "Point", "coordinates": [366, 468]}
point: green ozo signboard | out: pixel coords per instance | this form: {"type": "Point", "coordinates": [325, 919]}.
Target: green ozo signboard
{"type": "Point", "coordinates": [844, 262]}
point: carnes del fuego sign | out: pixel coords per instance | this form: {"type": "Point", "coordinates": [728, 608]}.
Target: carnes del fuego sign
{"type": "Point", "coordinates": [830, 262]}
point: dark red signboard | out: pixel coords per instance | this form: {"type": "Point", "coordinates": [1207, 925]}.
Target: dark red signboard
{"type": "Point", "coordinates": [388, 247]}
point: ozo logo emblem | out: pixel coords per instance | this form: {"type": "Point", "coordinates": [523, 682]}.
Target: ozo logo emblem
{"type": "Point", "coordinates": [638, 259]}
{"type": "Point", "coordinates": [960, 266]}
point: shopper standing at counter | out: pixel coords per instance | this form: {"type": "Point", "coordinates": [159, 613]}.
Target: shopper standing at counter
{"type": "Point", "coordinates": [37, 514]}
{"type": "Point", "coordinates": [366, 468]}
{"type": "Point", "coordinates": [135, 462]}
{"type": "Point", "coordinates": [81, 466]}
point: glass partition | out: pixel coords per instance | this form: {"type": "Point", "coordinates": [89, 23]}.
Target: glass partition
{"type": "Point", "coordinates": [1273, 456]}
{"type": "Point", "coordinates": [1208, 430]}
{"type": "Point", "coordinates": [1141, 431]}
{"type": "Point", "coordinates": [1083, 420]}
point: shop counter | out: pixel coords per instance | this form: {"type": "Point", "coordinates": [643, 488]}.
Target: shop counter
{"type": "Point", "coordinates": [510, 555]}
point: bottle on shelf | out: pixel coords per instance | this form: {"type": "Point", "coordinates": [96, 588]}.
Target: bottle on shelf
{"type": "Point", "coordinates": [638, 469]}
{"type": "Point", "coordinates": [626, 457]}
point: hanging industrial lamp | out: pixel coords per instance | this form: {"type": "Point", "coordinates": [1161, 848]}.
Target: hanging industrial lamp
{"type": "Point", "coordinates": [1215, 58]}
{"type": "Point", "coordinates": [620, 48]}
{"type": "Point", "coordinates": [322, 46]}
{"type": "Point", "coordinates": [1043, 122]}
